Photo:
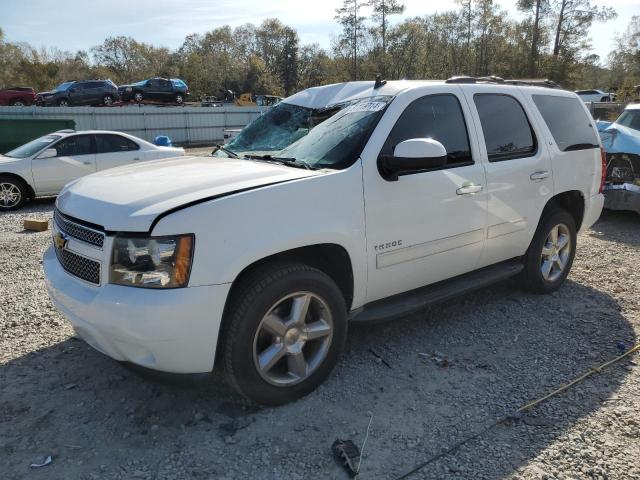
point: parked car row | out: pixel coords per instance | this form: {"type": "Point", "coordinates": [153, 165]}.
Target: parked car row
{"type": "Point", "coordinates": [98, 92]}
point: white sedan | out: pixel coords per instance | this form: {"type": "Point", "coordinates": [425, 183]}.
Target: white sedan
{"type": "Point", "coordinates": [45, 165]}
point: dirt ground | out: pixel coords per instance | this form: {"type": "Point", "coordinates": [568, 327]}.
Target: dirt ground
{"type": "Point", "coordinates": [425, 382]}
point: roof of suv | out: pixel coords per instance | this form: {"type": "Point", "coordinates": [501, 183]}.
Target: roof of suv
{"type": "Point", "coordinates": [320, 97]}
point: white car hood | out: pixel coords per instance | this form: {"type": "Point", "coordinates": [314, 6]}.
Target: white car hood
{"type": "Point", "coordinates": [130, 198]}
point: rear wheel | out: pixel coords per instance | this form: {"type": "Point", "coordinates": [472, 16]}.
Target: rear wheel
{"type": "Point", "coordinates": [285, 330]}
{"type": "Point", "coordinates": [13, 193]}
{"type": "Point", "coordinates": [550, 255]}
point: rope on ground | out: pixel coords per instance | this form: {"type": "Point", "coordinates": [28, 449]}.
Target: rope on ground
{"type": "Point", "coordinates": [522, 409]}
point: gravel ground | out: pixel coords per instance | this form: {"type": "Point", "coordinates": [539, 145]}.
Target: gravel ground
{"type": "Point", "coordinates": [495, 350]}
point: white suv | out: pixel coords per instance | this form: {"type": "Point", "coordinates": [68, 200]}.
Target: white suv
{"type": "Point", "coordinates": [413, 192]}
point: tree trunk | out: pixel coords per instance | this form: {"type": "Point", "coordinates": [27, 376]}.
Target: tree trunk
{"type": "Point", "coordinates": [533, 57]}
{"type": "Point", "coordinates": [556, 43]}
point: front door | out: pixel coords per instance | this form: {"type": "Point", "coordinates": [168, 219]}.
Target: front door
{"type": "Point", "coordinates": [519, 174]}
{"type": "Point", "coordinates": [430, 225]}
{"type": "Point", "coordinates": [75, 159]}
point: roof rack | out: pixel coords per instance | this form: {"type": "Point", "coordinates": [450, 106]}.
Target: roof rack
{"type": "Point", "coordinates": [534, 82]}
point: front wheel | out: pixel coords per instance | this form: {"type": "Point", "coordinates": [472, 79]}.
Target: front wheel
{"type": "Point", "coordinates": [285, 330]}
{"type": "Point", "coordinates": [138, 97]}
{"type": "Point", "coordinates": [18, 103]}
{"type": "Point", "coordinates": [13, 193]}
{"type": "Point", "coordinates": [179, 99]}
{"type": "Point", "coordinates": [550, 256]}
{"type": "Point", "coordinates": [64, 102]}
{"type": "Point", "coordinates": [107, 100]}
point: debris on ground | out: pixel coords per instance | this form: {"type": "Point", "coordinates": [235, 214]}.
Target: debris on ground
{"type": "Point", "coordinates": [438, 358]}
{"type": "Point", "coordinates": [41, 462]}
{"type": "Point", "coordinates": [36, 224]}
{"type": "Point", "coordinates": [346, 452]}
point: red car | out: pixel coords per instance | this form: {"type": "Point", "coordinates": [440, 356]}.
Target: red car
{"type": "Point", "coordinates": [17, 96]}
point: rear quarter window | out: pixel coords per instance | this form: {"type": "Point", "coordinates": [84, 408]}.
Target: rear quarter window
{"type": "Point", "coordinates": [571, 127]}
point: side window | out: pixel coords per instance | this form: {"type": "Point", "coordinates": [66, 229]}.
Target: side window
{"type": "Point", "coordinates": [569, 124]}
{"type": "Point", "coordinates": [434, 116]}
{"type": "Point", "coordinates": [74, 146]}
{"type": "Point", "coordinates": [114, 143]}
{"type": "Point", "coordinates": [507, 131]}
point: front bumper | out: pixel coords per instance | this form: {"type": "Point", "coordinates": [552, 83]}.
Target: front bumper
{"type": "Point", "coordinates": [172, 331]}
{"type": "Point", "coordinates": [625, 196]}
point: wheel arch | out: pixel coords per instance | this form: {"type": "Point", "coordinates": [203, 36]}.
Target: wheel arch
{"type": "Point", "coordinates": [571, 201]}
{"type": "Point", "coordinates": [330, 258]}
{"type": "Point", "coordinates": [30, 191]}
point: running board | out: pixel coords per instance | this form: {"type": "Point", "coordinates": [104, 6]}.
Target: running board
{"type": "Point", "coordinates": [409, 302]}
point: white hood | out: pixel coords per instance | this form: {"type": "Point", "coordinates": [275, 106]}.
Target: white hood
{"type": "Point", "coordinates": [129, 198]}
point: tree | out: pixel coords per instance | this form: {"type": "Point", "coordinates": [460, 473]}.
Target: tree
{"type": "Point", "coordinates": [352, 25]}
{"type": "Point", "coordinates": [382, 10]}
{"type": "Point", "coordinates": [538, 9]}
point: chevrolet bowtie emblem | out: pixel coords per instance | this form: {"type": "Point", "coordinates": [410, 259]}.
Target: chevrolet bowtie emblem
{"type": "Point", "coordinates": [60, 241]}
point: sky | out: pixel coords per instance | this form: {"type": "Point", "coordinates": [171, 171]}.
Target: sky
{"type": "Point", "coordinates": [73, 25]}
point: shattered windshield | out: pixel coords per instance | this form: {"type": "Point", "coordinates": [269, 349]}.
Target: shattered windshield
{"type": "Point", "coordinates": [278, 128]}
{"type": "Point", "coordinates": [337, 142]}
{"type": "Point", "coordinates": [630, 118]}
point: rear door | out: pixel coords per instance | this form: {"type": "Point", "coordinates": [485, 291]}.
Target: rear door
{"type": "Point", "coordinates": [75, 159]}
{"type": "Point", "coordinates": [429, 225]}
{"type": "Point", "coordinates": [518, 169]}
{"type": "Point", "coordinates": [114, 150]}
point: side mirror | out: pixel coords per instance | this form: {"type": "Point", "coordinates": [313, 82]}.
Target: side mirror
{"type": "Point", "coordinates": [410, 156]}
{"type": "Point", "coordinates": [48, 153]}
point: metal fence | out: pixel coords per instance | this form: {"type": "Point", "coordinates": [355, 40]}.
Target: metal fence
{"type": "Point", "coordinates": [605, 110]}
{"type": "Point", "coordinates": [189, 126]}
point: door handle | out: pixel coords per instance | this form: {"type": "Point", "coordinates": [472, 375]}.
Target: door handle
{"type": "Point", "coordinates": [535, 176]}
{"type": "Point", "coordinates": [469, 189]}
{"type": "Point", "coordinates": [86, 163]}
{"type": "Point", "coordinates": [136, 158]}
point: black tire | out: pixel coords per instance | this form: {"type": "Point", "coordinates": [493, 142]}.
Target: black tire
{"type": "Point", "coordinates": [107, 100]}
{"type": "Point", "coordinates": [64, 102]}
{"type": "Point", "coordinates": [532, 276]}
{"type": "Point", "coordinates": [15, 185]}
{"type": "Point", "coordinates": [253, 299]}
{"type": "Point", "coordinates": [605, 99]}
{"type": "Point", "coordinates": [138, 97]}
{"type": "Point", "coordinates": [179, 99]}
{"type": "Point", "coordinates": [18, 103]}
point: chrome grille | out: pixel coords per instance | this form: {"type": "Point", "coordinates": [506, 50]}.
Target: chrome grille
{"type": "Point", "coordinates": [77, 231]}
{"type": "Point", "coordinates": [77, 265]}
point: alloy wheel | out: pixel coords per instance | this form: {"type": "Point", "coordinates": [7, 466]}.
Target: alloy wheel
{"type": "Point", "coordinates": [10, 195]}
{"type": "Point", "coordinates": [18, 103]}
{"type": "Point", "coordinates": [556, 252]}
{"type": "Point", "coordinates": [293, 339]}
{"type": "Point", "coordinates": [137, 97]}
{"type": "Point", "coordinates": [108, 100]}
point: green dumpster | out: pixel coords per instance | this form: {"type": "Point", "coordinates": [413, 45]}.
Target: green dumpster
{"type": "Point", "coordinates": [16, 132]}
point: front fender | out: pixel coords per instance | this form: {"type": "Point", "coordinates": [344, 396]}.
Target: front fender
{"type": "Point", "coordinates": [236, 231]}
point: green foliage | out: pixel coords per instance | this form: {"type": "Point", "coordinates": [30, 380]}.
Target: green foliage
{"type": "Point", "coordinates": [478, 38]}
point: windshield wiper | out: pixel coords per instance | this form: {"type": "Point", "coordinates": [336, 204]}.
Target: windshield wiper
{"type": "Point", "coordinates": [288, 161]}
{"type": "Point", "coordinates": [231, 153]}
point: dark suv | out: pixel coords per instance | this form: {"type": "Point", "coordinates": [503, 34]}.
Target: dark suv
{"type": "Point", "coordinates": [158, 89]}
{"type": "Point", "coordinates": [83, 92]}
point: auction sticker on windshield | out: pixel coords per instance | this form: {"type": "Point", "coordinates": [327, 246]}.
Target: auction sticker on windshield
{"type": "Point", "coordinates": [365, 107]}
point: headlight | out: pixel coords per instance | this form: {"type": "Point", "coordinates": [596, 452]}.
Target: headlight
{"type": "Point", "coordinates": [129, 89]}
{"type": "Point", "coordinates": [151, 262]}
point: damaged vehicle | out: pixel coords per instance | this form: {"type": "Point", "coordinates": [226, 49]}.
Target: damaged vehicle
{"type": "Point", "coordinates": [257, 260]}
{"type": "Point", "coordinates": [621, 141]}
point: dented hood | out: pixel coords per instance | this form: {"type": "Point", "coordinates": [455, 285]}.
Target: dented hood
{"type": "Point", "coordinates": [130, 198]}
